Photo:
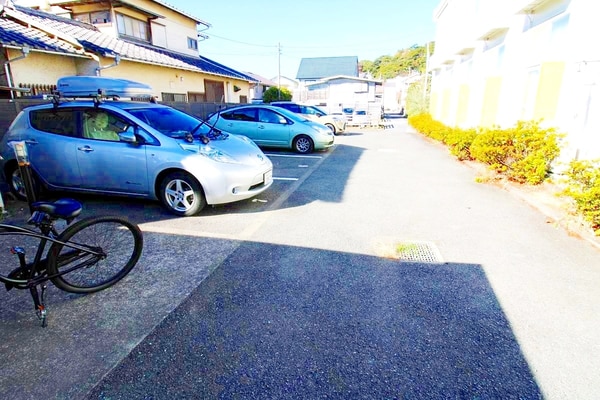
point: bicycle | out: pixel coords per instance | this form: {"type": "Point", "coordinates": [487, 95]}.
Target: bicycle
{"type": "Point", "coordinates": [90, 255]}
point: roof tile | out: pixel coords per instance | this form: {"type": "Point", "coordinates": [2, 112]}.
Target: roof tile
{"type": "Point", "coordinates": [92, 40]}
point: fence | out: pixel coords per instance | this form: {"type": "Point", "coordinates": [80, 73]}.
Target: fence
{"type": "Point", "coordinates": [10, 108]}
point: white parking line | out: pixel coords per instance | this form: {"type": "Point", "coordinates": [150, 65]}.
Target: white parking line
{"type": "Point", "coordinates": [292, 156]}
{"type": "Point", "coordinates": [285, 179]}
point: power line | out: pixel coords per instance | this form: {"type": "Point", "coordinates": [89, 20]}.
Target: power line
{"type": "Point", "coordinates": [357, 46]}
{"type": "Point", "coordinates": [246, 43]}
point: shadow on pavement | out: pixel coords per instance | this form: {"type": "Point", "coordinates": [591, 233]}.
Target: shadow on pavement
{"type": "Point", "coordinates": [285, 322]}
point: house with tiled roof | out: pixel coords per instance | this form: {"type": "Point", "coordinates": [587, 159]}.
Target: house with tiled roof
{"type": "Point", "coordinates": [317, 68]}
{"type": "Point", "coordinates": [147, 41]}
{"type": "Point", "coordinates": [334, 83]}
{"type": "Point", "coordinates": [343, 91]}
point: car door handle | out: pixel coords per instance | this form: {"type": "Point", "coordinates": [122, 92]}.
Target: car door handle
{"type": "Point", "coordinates": [85, 148]}
{"type": "Point", "coordinates": [31, 141]}
{"type": "Point", "coordinates": [261, 127]}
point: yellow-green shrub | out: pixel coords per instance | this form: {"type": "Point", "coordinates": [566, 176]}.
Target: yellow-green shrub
{"type": "Point", "coordinates": [523, 153]}
{"type": "Point", "coordinates": [583, 186]}
{"type": "Point", "coordinates": [428, 126]}
{"type": "Point", "coordinates": [459, 142]}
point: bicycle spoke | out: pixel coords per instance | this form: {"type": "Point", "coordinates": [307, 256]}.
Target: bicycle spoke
{"type": "Point", "coordinates": [81, 271]}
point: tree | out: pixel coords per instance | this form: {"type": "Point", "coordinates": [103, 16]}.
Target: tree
{"type": "Point", "coordinates": [274, 94]}
{"type": "Point", "coordinates": [403, 63]}
{"type": "Point", "coordinates": [417, 97]}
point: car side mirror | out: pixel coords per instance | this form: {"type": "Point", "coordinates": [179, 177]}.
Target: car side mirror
{"type": "Point", "coordinates": [127, 136]}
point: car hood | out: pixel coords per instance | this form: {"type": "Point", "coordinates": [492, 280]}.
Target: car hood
{"type": "Point", "coordinates": [239, 148]}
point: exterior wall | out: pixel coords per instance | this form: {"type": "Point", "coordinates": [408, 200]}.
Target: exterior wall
{"type": "Point", "coordinates": [519, 60]}
{"type": "Point", "coordinates": [339, 93]}
{"type": "Point", "coordinates": [169, 80]}
{"type": "Point", "coordinates": [172, 30]}
{"type": "Point", "coordinates": [41, 68]}
{"type": "Point", "coordinates": [44, 68]}
{"type": "Point", "coordinates": [178, 27]}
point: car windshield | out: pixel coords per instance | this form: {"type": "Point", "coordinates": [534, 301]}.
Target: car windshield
{"type": "Point", "coordinates": [175, 123]}
{"type": "Point", "coordinates": [291, 115]}
{"type": "Point", "coordinates": [319, 110]}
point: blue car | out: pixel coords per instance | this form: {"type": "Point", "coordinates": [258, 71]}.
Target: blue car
{"type": "Point", "coordinates": [135, 149]}
{"type": "Point", "coordinates": [270, 126]}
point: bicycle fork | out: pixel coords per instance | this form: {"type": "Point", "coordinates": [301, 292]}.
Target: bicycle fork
{"type": "Point", "coordinates": [38, 295]}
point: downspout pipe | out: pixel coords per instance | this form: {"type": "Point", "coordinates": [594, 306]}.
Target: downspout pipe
{"type": "Point", "coordinates": [25, 50]}
{"type": "Point", "coordinates": [114, 64]}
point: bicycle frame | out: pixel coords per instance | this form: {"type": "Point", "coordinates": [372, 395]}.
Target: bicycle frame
{"type": "Point", "coordinates": [38, 264]}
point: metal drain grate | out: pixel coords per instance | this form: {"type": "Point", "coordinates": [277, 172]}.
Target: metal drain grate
{"type": "Point", "coordinates": [418, 251]}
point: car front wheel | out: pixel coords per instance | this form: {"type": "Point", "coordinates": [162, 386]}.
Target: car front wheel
{"type": "Point", "coordinates": [17, 183]}
{"type": "Point", "coordinates": [182, 194]}
{"type": "Point", "coordinates": [330, 126]}
{"type": "Point", "coordinates": [303, 144]}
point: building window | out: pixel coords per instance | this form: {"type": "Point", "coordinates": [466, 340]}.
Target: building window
{"type": "Point", "coordinates": [96, 17]}
{"type": "Point", "coordinates": [133, 28]}
{"type": "Point", "coordinates": [181, 97]}
{"type": "Point", "coordinates": [544, 12]}
{"type": "Point", "coordinates": [558, 34]}
{"type": "Point", "coordinates": [243, 99]}
{"type": "Point", "coordinates": [192, 43]}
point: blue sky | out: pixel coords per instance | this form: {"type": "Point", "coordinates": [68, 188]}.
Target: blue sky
{"type": "Point", "coordinates": [245, 33]}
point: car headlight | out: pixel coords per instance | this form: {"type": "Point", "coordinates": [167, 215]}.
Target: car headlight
{"type": "Point", "coordinates": [209, 152]}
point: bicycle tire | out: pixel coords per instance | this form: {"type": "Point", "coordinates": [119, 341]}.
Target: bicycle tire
{"type": "Point", "coordinates": [121, 242]}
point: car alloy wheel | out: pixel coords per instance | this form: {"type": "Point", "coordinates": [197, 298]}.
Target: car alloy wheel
{"type": "Point", "coordinates": [303, 144]}
{"type": "Point", "coordinates": [182, 194]}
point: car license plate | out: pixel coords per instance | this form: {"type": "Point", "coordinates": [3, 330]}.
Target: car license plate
{"type": "Point", "coordinates": [268, 178]}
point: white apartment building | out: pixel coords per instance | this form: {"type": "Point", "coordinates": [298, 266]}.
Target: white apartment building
{"type": "Point", "coordinates": [500, 61]}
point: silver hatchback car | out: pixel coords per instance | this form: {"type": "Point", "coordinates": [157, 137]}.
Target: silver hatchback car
{"type": "Point", "coordinates": [138, 149]}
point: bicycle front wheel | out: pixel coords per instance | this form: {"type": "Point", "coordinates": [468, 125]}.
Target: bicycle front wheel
{"type": "Point", "coordinates": [119, 242]}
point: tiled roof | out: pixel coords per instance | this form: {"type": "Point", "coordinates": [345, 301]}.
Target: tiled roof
{"type": "Point", "coordinates": [13, 33]}
{"type": "Point", "coordinates": [261, 79]}
{"type": "Point", "coordinates": [322, 67]}
{"type": "Point", "coordinates": [17, 35]}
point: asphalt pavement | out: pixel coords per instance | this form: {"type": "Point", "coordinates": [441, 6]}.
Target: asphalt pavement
{"type": "Point", "coordinates": [388, 272]}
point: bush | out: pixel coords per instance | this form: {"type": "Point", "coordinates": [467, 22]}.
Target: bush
{"type": "Point", "coordinates": [459, 141]}
{"type": "Point", "coordinates": [583, 186]}
{"type": "Point", "coordinates": [523, 153]}
{"type": "Point", "coordinates": [274, 94]}
{"type": "Point", "coordinates": [428, 126]}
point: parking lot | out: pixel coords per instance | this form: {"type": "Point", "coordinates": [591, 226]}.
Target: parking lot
{"type": "Point", "coordinates": [293, 295]}
{"type": "Point", "coordinates": [179, 253]}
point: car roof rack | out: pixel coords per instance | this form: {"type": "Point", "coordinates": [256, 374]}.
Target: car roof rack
{"type": "Point", "coordinates": [100, 88]}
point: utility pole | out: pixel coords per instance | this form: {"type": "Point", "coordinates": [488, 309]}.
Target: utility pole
{"type": "Point", "coordinates": [426, 72]}
{"type": "Point", "coordinates": [279, 71]}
